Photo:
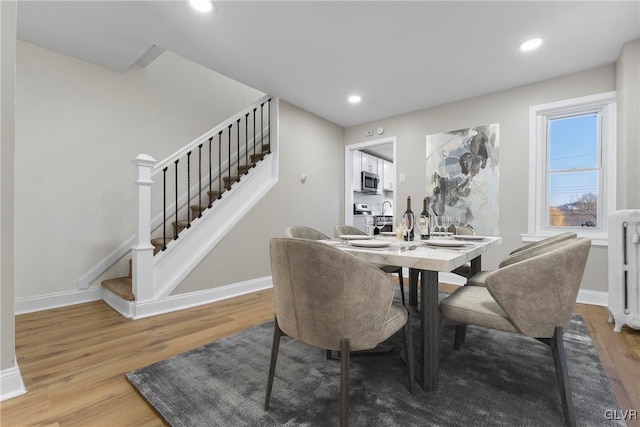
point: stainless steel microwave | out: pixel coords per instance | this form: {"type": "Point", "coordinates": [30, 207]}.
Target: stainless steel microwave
{"type": "Point", "coordinates": [369, 182]}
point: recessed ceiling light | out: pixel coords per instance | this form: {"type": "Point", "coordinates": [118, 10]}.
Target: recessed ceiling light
{"type": "Point", "coordinates": [202, 5]}
{"type": "Point", "coordinates": [354, 99]}
{"type": "Point", "coordinates": [531, 44]}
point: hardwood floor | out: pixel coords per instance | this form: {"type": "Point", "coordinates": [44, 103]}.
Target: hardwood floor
{"type": "Point", "coordinates": [73, 359]}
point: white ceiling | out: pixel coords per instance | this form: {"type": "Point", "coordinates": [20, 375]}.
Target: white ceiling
{"type": "Point", "coordinates": [399, 56]}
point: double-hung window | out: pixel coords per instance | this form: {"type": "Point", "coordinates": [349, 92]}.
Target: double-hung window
{"type": "Point", "coordinates": [572, 167]}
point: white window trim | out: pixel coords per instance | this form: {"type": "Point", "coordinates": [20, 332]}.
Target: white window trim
{"type": "Point", "coordinates": [538, 116]}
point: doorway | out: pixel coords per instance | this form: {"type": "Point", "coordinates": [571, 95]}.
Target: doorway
{"type": "Point", "coordinates": [383, 148]}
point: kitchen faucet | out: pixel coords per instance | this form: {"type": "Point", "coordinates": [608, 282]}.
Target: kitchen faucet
{"type": "Point", "coordinates": [385, 202]}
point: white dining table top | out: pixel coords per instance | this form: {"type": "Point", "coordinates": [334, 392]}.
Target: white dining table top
{"type": "Point", "coordinates": [423, 257]}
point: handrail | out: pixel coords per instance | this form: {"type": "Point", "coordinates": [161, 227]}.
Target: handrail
{"type": "Point", "coordinates": [209, 134]}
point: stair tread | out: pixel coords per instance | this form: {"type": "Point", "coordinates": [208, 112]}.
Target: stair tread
{"type": "Point", "coordinates": [121, 286]}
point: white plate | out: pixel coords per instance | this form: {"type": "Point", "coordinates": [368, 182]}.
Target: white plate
{"type": "Point", "coordinates": [468, 237]}
{"type": "Point", "coordinates": [388, 233]}
{"type": "Point", "coordinates": [355, 236]}
{"type": "Point", "coordinates": [370, 243]}
{"type": "Point", "coordinates": [446, 243]}
{"type": "Point", "coordinates": [441, 233]}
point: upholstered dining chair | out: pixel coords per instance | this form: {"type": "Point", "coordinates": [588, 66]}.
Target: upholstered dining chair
{"type": "Point", "coordinates": [534, 297]}
{"type": "Point", "coordinates": [341, 230]}
{"type": "Point", "coordinates": [332, 300]}
{"type": "Point", "coordinates": [303, 232]}
{"type": "Point", "coordinates": [465, 230]}
{"type": "Point", "coordinates": [523, 253]}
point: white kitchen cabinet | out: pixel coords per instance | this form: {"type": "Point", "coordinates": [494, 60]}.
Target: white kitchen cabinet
{"type": "Point", "coordinates": [388, 176]}
{"type": "Point", "coordinates": [357, 169]}
{"type": "Point", "coordinates": [380, 175]}
{"type": "Point", "coordinates": [369, 163]}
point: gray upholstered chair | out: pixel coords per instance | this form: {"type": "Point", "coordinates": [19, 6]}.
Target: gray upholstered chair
{"type": "Point", "coordinates": [342, 229]}
{"type": "Point", "coordinates": [332, 300]}
{"type": "Point", "coordinates": [534, 297]}
{"type": "Point", "coordinates": [465, 230]}
{"type": "Point", "coordinates": [302, 232]}
{"type": "Point", "coordinates": [523, 253]}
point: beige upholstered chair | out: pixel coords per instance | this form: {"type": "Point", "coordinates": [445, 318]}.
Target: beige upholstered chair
{"type": "Point", "coordinates": [332, 300]}
{"type": "Point", "coordinates": [302, 232]}
{"type": "Point", "coordinates": [465, 230]}
{"type": "Point", "coordinates": [339, 230]}
{"type": "Point", "coordinates": [534, 297]}
{"type": "Point", "coordinates": [523, 253]}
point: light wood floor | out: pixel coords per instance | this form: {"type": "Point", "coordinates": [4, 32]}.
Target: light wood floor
{"type": "Point", "coordinates": [73, 359]}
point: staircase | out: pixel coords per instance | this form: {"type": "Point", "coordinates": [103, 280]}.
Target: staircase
{"type": "Point", "coordinates": [199, 208]}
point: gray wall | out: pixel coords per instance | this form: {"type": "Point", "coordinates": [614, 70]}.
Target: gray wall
{"type": "Point", "coordinates": [78, 126]}
{"type": "Point", "coordinates": [308, 145]}
{"type": "Point", "coordinates": [510, 109]}
{"type": "Point", "coordinates": [628, 87]}
{"type": "Point", "coordinates": [7, 117]}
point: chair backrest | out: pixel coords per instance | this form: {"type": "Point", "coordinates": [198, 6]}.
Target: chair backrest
{"type": "Point", "coordinates": [302, 232]}
{"type": "Point", "coordinates": [539, 293]}
{"type": "Point", "coordinates": [323, 295]}
{"type": "Point", "coordinates": [548, 241]}
{"type": "Point", "coordinates": [464, 230]}
{"type": "Point", "coordinates": [342, 229]}
{"type": "Point", "coordinates": [534, 251]}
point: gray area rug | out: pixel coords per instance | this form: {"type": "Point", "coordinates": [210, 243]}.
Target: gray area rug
{"type": "Point", "coordinates": [497, 379]}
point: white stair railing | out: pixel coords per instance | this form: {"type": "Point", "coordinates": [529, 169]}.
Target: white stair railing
{"type": "Point", "coordinates": [257, 130]}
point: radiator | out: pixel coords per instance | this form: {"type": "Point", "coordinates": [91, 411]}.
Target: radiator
{"type": "Point", "coordinates": [624, 269]}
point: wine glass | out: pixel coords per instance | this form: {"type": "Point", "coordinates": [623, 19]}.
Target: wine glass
{"type": "Point", "coordinates": [446, 223]}
{"type": "Point", "coordinates": [408, 223]}
{"type": "Point", "coordinates": [456, 222]}
{"type": "Point", "coordinates": [380, 224]}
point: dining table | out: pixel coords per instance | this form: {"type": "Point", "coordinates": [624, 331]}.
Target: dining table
{"type": "Point", "coordinates": [424, 259]}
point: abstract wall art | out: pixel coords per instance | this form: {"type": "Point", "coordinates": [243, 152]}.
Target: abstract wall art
{"type": "Point", "coordinates": [462, 176]}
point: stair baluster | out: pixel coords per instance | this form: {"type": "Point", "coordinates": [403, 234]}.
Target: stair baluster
{"type": "Point", "coordinates": [246, 142]}
{"type": "Point", "coordinates": [269, 105]}
{"type": "Point", "coordinates": [175, 229]}
{"type": "Point", "coordinates": [188, 189]}
{"type": "Point", "coordinates": [238, 139]}
{"type": "Point", "coordinates": [210, 174]}
{"type": "Point", "coordinates": [262, 129]}
{"type": "Point", "coordinates": [219, 164]}
{"type": "Point", "coordinates": [164, 208]}
{"type": "Point", "coordinates": [254, 137]}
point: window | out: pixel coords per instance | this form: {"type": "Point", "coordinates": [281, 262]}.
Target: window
{"type": "Point", "coordinates": [572, 167]}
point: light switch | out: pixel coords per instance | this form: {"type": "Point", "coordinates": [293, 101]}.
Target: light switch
{"type": "Point", "coordinates": [402, 178]}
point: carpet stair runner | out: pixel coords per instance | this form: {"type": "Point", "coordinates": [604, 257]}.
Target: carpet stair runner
{"type": "Point", "coordinates": [123, 286]}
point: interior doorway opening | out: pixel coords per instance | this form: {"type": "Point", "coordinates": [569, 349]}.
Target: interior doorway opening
{"type": "Point", "coordinates": [382, 148]}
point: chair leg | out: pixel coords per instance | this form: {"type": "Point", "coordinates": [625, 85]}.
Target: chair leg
{"type": "Point", "coordinates": [344, 383]}
{"type": "Point", "coordinates": [277, 334]}
{"type": "Point", "coordinates": [562, 375]}
{"type": "Point", "coordinates": [401, 280]}
{"type": "Point", "coordinates": [408, 352]}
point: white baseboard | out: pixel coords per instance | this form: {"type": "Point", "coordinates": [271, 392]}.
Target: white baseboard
{"type": "Point", "coordinates": [60, 299]}
{"type": "Point", "coordinates": [183, 301]}
{"type": "Point", "coordinates": [586, 296]}
{"type": "Point", "coordinates": [11, 384]}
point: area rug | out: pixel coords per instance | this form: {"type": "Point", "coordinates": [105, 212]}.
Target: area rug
{"type": "Point", "coordinates": [496, 379]}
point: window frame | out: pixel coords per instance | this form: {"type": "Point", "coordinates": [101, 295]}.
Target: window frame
{"type": "Point", "coordinates": [604, 105]}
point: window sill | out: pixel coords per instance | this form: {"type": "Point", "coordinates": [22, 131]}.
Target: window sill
{"type": "Point", "coordinates": [597, 239]}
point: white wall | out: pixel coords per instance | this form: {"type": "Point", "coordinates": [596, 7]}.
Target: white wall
{"type": "Point", "coordinates": [78, 126]}
{"type": "Point", "coordinates": [510, 109]}
{"type": "Point", "coordinates": [308, 145]}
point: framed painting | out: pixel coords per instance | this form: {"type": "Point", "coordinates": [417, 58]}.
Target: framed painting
{"type": "Point", "coordinates": [463, 176]}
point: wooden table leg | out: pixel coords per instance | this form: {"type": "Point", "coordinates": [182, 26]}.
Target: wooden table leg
{"type": "Point", "coordinates": [413, 287]}
{"type": "Point", "coordinates": [476, 266]}
{"type": "Point", "coordinates": [430, 330]}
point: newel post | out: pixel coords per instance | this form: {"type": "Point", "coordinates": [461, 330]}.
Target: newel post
{"type": "Point", "coordinates": [142, 252]}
